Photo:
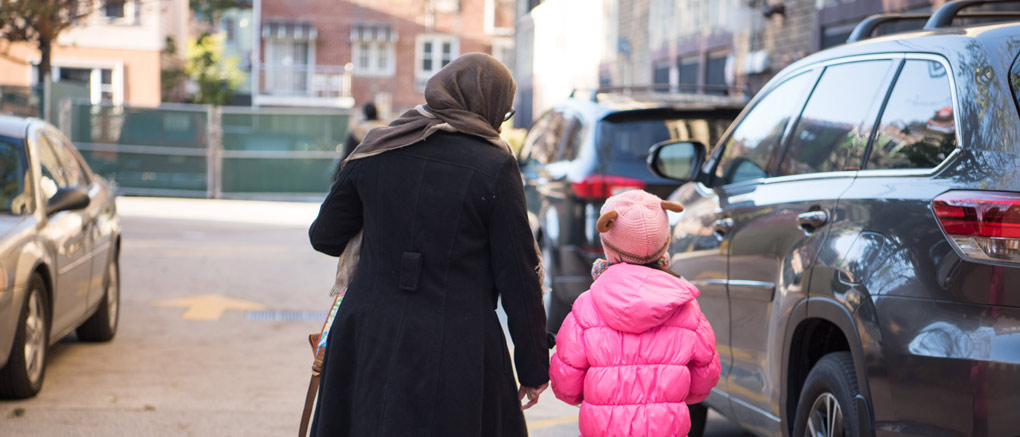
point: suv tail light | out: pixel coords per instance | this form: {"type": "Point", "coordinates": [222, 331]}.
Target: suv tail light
{"type": "Point", "coordinates": [603, 186]}
{"type": "Point", "coordinates": [983, 225]}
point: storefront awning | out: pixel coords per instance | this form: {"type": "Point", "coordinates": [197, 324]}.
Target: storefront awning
{"type": "Point", "coordinates": [288, 29]}
{"type": "Point", "coordinates": [373, 33]}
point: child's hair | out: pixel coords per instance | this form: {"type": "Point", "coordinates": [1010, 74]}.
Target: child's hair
{"type": "Point", "coordinates": [657, 266]}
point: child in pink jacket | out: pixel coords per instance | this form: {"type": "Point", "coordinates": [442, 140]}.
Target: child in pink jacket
{"type": "Point", "coordinates": [636, 349]}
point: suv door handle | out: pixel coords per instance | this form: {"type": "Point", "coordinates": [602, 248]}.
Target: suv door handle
{"type": "Point", "coordinates": [812, 220]}
{"type": "Point", "coordinates": [721, 227]}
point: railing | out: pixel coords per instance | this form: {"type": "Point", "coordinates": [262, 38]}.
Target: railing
{"type": "Point", "coordinates": [208, 151]}
{"type": "Point", "coordinates": [317, 81]}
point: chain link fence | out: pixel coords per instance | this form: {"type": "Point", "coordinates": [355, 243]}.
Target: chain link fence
{"type": "Point", "coordinates": [207, 151]}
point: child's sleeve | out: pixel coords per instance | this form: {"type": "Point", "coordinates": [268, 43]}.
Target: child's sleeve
{"type": "Point", "coordinates": [704, 365]}
{"type": "Point", "coordinates": [569, 363]}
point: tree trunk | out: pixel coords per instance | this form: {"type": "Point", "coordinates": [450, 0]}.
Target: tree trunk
{"type": "Point", "coordinates": [45, 50]}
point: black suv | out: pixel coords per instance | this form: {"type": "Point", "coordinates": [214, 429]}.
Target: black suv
{"type": "Point", "coordinates": [584, 150]}
{"type": "Point", "coordinates": [856, 237]}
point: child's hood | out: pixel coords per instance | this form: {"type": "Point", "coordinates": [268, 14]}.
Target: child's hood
{"type": "Point", "coordinates": [632, 298]}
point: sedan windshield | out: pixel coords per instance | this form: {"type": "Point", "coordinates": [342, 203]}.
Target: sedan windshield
{"type": "Point", "coordinates": [14, 198]}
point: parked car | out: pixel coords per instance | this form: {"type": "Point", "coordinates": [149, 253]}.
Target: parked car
{"type": "Point", "coordinates": [584, 150]}
{"type": "Point", "coordinates": [59, 247]}
{"type": "Point", "coordinates": [856, 238]}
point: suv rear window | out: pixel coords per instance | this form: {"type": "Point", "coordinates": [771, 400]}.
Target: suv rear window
{"type": "Point", "coordinates": [628, 138]}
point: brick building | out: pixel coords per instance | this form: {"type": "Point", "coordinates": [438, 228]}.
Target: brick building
{"type": "Point", "coordinates": [343, 53]}
{"type": "Point", "coordinates": [716, 46]}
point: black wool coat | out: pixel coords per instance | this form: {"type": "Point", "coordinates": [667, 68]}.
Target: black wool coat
{"type": "Point", "coordinates": [416, 348]}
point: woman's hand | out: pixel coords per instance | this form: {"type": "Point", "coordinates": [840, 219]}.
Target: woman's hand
{"type": "Point", "coordinates": [532, 393]}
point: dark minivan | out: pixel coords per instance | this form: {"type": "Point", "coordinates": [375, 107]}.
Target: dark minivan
{"type": "Point", "coordinates": [584, 150]}
{"type": "Point", "coordinates": [856, 238]}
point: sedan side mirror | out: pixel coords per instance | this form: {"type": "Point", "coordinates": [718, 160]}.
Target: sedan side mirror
{"type": "Point", "coordinates": [68, 199]}
{"type": "Point", "coordinates": [678, 160]}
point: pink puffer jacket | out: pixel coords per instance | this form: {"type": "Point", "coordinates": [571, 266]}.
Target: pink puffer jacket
{"type": "Point", "coordinates": [634, 351]}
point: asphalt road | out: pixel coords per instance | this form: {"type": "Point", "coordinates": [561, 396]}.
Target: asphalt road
{"type": "Point", "coordinates": [218, 298]}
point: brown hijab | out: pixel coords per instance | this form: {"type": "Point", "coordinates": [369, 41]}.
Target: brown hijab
{"type": "Point", "coordinates": [470, 95]}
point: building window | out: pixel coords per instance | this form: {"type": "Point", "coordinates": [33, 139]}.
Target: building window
{"type": "Point", "coordinates": [104, 84]}
{"type": "Point", "coordinates": [289, 66]}
{"type": "Point", "coordinates": [374, 58]}
{"type": "Point", "coordinates": [119, 11]}
{"type": "Point", "coordinates": [499, 17]}
{"type": "Point", "coordinates": [433, 53]}
{"type": "Point", "coordinates": [447, 6]}
{"type": "Point", "coordinates": [373, 50]}
{"type": "Point", "coordinates": [503, 49]}
{"type": "Point", "coordinates": [114, 8]}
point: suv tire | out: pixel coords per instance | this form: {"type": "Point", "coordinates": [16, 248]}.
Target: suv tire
{"type": "Point", "coordinates": [827, 405]}
{"type": "Point", "coordinates": [17, 381]}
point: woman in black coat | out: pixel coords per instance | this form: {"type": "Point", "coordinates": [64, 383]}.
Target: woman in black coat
{"type": "Point", "coordinates": [416, 348]}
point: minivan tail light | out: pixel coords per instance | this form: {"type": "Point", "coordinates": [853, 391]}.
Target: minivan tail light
{"type": "Point", "coordinates": [603, 186]}
{"type": "Point", "coordinates": [983, 225]}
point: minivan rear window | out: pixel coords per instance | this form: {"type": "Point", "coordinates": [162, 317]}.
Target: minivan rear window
{"type": "Point", "coordinates": [627, 139]}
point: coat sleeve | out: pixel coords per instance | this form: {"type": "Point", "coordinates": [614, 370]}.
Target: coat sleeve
{"type": "Point", "coordinates": [340, 214]}
{"type": "Point", "coordinates": [515, 266]}
{"type": "Point", "coordinates": [569, 363]}
{"type": "Point", "coordinates": [704, 364]}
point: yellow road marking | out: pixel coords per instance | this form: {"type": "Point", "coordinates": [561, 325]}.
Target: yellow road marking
{"type": "Point", "coordinates": [207, 307]}
{"type": "Point", "coordinates": [546, 423]}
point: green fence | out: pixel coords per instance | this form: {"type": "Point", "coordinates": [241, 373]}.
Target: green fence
{"type": "Point", "coordinates": [204, 151]}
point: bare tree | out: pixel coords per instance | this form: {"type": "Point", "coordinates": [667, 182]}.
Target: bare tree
{"type": "Point", "coordinates": [40, 22]}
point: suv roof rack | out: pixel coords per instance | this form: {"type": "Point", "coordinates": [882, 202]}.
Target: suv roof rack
{"type": "Point", "coordinates": [667, 93]}
{"type": "Point", "coordinates": [867, 27]}
{"type": "Point", "coordinates": [944, 16]}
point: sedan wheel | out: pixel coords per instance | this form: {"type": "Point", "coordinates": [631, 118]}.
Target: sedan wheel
{"type": "Point", "coordinates": [22, 376]}
{"type": "Point", "coordinates": [102, 326]}
{"type": "Point", "coordinates": [35, 336]}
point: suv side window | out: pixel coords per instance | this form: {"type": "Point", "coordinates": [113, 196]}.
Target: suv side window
{"type": "Point", "coordinates": [834, 128]}
{"type": "Point", "coordinates": [747, 151]}
{"type": "Point", "coordinates": [575, 135]}
{"type": "Point", "coordinates": [918, 129]}
{"type": "Point", "coordinates": [542, 144]}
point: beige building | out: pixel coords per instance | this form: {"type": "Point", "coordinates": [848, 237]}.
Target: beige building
{"type": "Point", "coordinates": [114, 55]}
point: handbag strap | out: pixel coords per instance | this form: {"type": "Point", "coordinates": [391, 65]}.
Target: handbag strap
{"type": "Point", "coordinates": [313, 383]}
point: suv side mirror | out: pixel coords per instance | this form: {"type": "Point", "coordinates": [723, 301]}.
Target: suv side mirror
{"type": "Point", "coordinates": [678, 160]}
{"type": "Point", "coordinates": [67, 199]}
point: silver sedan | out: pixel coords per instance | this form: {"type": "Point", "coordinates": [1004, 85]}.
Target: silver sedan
{"type": "Point", "coordinates": [59, 247]}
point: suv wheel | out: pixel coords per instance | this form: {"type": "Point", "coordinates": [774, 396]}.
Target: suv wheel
{"type": "Point", "coordinates": [827, 406]}
{"type": "Point", "coordinates": [22, 376]}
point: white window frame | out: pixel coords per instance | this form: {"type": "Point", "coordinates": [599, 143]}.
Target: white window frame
{"type": "Point", "coordinates": [96, 86]}
{"type": "Point", "coordinates": [490, 20]}
{"type": "Point", "coordinates": [271, 68]}
{"type": "Point", "coordinates": [437, 39]}
{"type": "Point", "coordinates": [376, 50]}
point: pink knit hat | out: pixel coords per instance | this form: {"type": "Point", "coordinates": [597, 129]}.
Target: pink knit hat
{"type": "Point", "coordinates": [635, 228]}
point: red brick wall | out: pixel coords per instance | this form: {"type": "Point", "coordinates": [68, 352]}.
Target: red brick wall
{"type": "Point", "coordinates": [333, 19]}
